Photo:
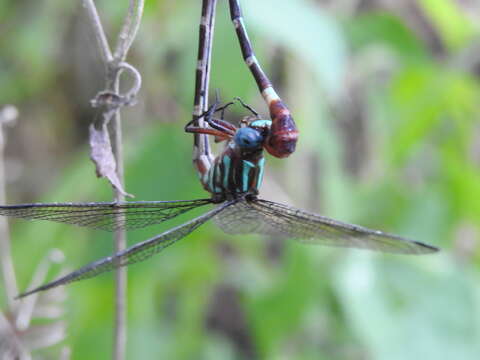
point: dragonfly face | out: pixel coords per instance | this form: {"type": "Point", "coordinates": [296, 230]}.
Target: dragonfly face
{"type": "Point", "coordinates": [248, 139]}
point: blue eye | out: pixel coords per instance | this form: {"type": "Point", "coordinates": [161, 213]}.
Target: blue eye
{"type": "Point", "coordinates": [248, 138]}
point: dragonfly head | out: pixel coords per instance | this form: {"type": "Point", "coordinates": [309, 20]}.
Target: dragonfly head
{"type": "Point", "coordinates": [249, 138]}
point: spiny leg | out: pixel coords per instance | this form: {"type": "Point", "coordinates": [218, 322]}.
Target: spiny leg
{"type": "Point", "coordinates": [223, 108]}
{"type": "Point", "coordinates": [219, 124]}
{"type": "Point", "coordinates": [202, 117]}
{"type": "Point", "coordinates": [207, 116]}
{"type": "Point", "coordinates": [219, 127]}
{"type": "Point", "coordinates": [248, 107]}
{"type": "Point", "coordinates": [214, 132]}
{"type": "Point", "coordinates": [222, 126]}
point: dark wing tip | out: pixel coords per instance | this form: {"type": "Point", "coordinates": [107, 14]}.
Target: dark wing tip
{"type": "Point", "coordinates": [425, 248]}
{"type": "Point", "coordinates": [47, 286]}
{"type": "Point", "coordinates": [27, 293]}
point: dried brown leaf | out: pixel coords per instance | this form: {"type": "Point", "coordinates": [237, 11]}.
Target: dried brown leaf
{"type": "Point", "coordinates": [102, 155]}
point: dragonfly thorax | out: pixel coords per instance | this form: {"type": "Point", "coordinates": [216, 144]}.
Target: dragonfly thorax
{"type": "Point", "coordinates": [238, 170]}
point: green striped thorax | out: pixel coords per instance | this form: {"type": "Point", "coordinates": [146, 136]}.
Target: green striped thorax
{"type": "Point", "coordinates": [239, 169]}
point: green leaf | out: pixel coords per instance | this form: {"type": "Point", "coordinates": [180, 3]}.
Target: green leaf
{"type": "Point", "coordinates": [388, 30]}
{"type": "Point", "coordinates": [453, 25]}
{"type": "Point", "coordinates": [397, 318]}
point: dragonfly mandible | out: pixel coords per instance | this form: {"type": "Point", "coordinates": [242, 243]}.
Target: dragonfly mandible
{"type": "Point", "coordinates": [233, 179]}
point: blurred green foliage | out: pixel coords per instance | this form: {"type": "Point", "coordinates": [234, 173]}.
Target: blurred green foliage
{"type": "Point", "coordinates": [387, 110]}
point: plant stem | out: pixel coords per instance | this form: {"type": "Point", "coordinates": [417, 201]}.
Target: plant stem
{"type": "Point", "coordinates": [120, 335]}
{"type": "Point", "coordinates": [8, 114]}
{"type": "Point", "coordinates": [114, 65]}
{"type": "Point", "coordinates": [98, 30]}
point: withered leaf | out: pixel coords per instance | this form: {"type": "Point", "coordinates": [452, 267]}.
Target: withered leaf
{"type": "Point", "coordinates": [102, 156]}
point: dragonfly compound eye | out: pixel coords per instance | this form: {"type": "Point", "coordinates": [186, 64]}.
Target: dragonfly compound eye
{"type": "Point", "coordinates": [248, 138]}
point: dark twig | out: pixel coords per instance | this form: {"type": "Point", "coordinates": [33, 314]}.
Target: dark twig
{"type": "Point", "coordinates": [114, 65]}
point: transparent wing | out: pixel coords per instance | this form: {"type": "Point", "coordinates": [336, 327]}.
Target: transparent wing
{"type": "Point", "coordinates": [267, 217]}
{"type": "Point", "coordinates": [138, 252]}
{"type": "Point", "coordinates": [104, 215]}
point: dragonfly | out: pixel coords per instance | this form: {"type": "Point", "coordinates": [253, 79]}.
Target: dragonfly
{"type": "Point", "coordinates": [233, 180]}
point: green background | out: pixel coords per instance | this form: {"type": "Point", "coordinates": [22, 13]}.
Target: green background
{"type": "Point", "coordinates": [385, 98]}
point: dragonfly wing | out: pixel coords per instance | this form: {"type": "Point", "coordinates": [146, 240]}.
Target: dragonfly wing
{"type": "Point", "coordinates": [270, 218]}
{"type": "Point", "coordinates": [104, 215]}
{"type": "Point", "coordinates": [136, 253]}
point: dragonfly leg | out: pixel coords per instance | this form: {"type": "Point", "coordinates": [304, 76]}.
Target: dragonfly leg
{"type": "Point", "coordinates": [205, 115]}
{"type": "Point", "coordinates": [248, 107]}
{"type": "Point", "coordinates": [218, 124]}
{"type": "Point", "coordinates": [223, 108]}
{"type": "Point", "coordinates": [222, 125]}
{"type": "Point", "coordinates": [214, 132]}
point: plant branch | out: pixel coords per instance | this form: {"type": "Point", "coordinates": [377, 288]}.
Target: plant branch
{"type": "Point", "coordinates": [111, 157]}
{"type": "Point", "coordinates": [137, 81]}
{"type": "Point", "coordinates": [129, 29]}
{"type": "Point", "coordinates": [8, 115]}
{"type": "Point", "coordinates": [98, 30]}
